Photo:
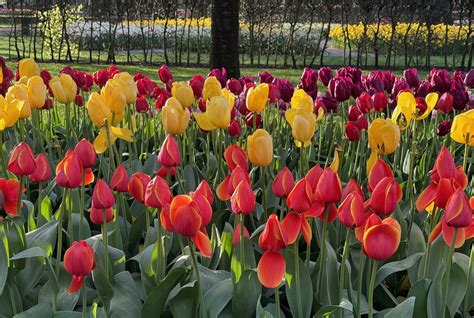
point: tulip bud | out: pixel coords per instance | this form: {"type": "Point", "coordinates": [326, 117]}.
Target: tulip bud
{"type": "Point", "coordinates": [43, 170]}
{"type": "Point", "coordinates": [325, 74]}
{"type": "Point", "coordinates": [97, 215]}
{"type": "Point", "coordinates": [440, 80]}
{"type": "Point", "coordinates": [469, 79]}
{"type": "Point", "coordinates": [69, 172]}
{"type": "Point", "coordinates": [227, 187]}
{"type": "Point", "coordinates": [86, 153]}
{"type": "Point", "coordinates": [243, 199]}
{"type": "Point", "coordinates": [64, 88]}
{"type": "Point", "coordinates": [79, 261]}
{"type": "Point", "coordinates": [380, 101]}
{"type": "Point", "coordinates": [22, 161]}
{"type": "Point", "coordinates": [329, 188]}
{"type": "Point", "coordinates": [28, 67]}
{"type": "Point", "coordinates": [351, 212]}
{"type": "Point", "coordinates": [458, 211]}
{"type": "Point", "coordinates": [283, 183]}
{"type": "Point", "coordinates": [102, 196]}
{"type": "Point", "coordinates": [9, 191]}
{"type": "Point", "coordinates": [260, 148]}
{"type": "Point", "coordinates": [119, 181]}
{"type": "Point", "coordinates": [234, 86]}
{"type": "Point", "coordinates": [300, 197]}
{"type": "Point", "coordinates": [271, 269]}
{"type": "Point", "coordinates": [197, 84]}
{"type": "Point", "coordinates": [165, 74]}
{"type": "Point", "coordinates": [352, 186]}
{"type": "Point", "coordinates": [137, 185]}
{"type": "Point", "coordinates": [309, 81]}
{"type": "Point", "coordinates": [444, 128]}
{"type": "Point", "coordinates": [184, 93]}
{"type": "Point", "coordinates": [174, 117]}
{"type": "Point", "coordinates": [249, 120]}
{"type": "Point", "coordinates": [266, 77]}
{"type": "Point", "coordinates": [340, 88]}
{"type": "Point", "coordinates": [257, 97]}
{"type": "Point", "coordinates": [36, 92]}
{"type": "Point", "coordinates": [272, 238]}
{"type": "Point", "coordinates": [364, 103]}
{"type": "Point", "coordinates": [157, 193]}
{"type": "Point", "coordinates": [445, 103]}
{"type": "Point", "coordinates": [352, 131]}
{"type": "Point", "coordinates": [234, 128]}
{"type": "Point", "coordinates": [353, 113]}
{"type": "Point", "coordinates": [411, 76]}
{"type": "Point", "coordinates": [385, 196]}
{"type": "Point", "coordinates": [141, 105]}
{"type": "Point", "coordinates": [184, 216]}
{"type": "Point", "coordinates": [205, 190]}
{"type": "Point", "coordinates": [169, 155]}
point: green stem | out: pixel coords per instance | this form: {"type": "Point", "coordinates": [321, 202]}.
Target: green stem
{"type": "Point", "coordinates": [83, 190]}
{"type": "Point", "coordinates": [202, 305]}
{"type": "Point", "coordinates": [12, 299]}
{"type": "Point", "coordinates": [111, 152]}
{"type": "Point", "coordinates": [342, 275]}
{"type": "Point", "coordinates": [160, 260]}
{"type": "Point", "coordinates": [359, 282]}
{"type": "Point", "coordinates": [242, 244]}
{"type": "Point", "coordinates": [264, 191]}
{"type": "Point", "coordinates": [2, 157]}
{"type": "Point", "coordinates": [322, 254]}
{"type": "Point", "coordinates": [277, 302]}
{"type": "Point", "coordinates": [466, 152]}
{"type": "Point", "coordinates": [469, 279]}
{"type": "Point", "coordinates": [297, 280]}
{"type": "Point", "coordinates": [105, 240]}
{"type": "Point", "coordinates": [84, 298]}
{"type": "Point", "coordinates": [410, 189]}
{"type": "Point", "coordinates": [60, 232]}
{"type": "Point", "coordinates": [18, 202]}
{"type": "Point", "coordinates": [448, 273]}
{"type": "Point", "coordinates": [373, 274]}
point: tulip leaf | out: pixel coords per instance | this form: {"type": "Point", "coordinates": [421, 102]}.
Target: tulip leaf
{"type": "Point", "coordinates": [226, 247]}
{"type": "Point", "coordinates": [216, 246]}
{"type": "Point", "coordinates": [155, 302]}
{"type": "Point", "coordinates": [211, 277]}
{"type": "Point", "coordinates": [420, 291]}
{"type": "Point", "coordinates": [260, 312]}
{"type": "Point", "coordinates": [151, 165]}
{"type": "Point", "coordinates": [184, 303]}
{"type": "Point", "coordinates": [217, 297]}
{"type": "Point", "coordinates": [41, 310]}
{"type": "Point", "coordinates": [148, 268]}
{"type": "Point", "coordinates": [404, 309]}
{"type": "Point", "coordinates": [328, 310]}
{"type": "Point", "coordinates": [457, 288]}
{"type": "Point", "coordinates": [67, 314]}
{"type": "Point", "coordinates": [298, 287]}
{"type": "Point", "coordinates": [46, 209]}
{"type": "Point", "coordinates": [435, 296]}
{"type": "Point", "coordinates": [189, 178]}
{"type": "Point", "coordinates": [29, 253]}
{"type": "Point", "coordinates": [249, 258]}
{"type": "Point", "coordinates": [397, 266]}
{"type": "Point", "coordinates": [125, 302]}
{"type": "Point", "coordinates": [3, 263]}
{"type": "Point", "coordinates": [246, 294]}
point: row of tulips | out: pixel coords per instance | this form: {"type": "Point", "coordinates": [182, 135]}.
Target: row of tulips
{"type": "Point", "coordinates": [234, 196]}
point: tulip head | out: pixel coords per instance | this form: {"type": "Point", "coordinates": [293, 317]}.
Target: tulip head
{"type": "Point", "coordinates": [183, 93]}
{"type": "Point", "coordinates": [137, 185]}
{"type": "Point", "coordinates": [272, 238]}
{"type": "Point", "coordinates": [458, 210]}
{"type": "Point", "coordinates": [9, 191]}
{"type": "Point", "coordinates": [385, 196]}
{"type": "Point", "coordinates": [119, 181]}
{"type": "Point", "coordinates": [283, 183]}
{"type": "Point", "coordinates": [27, 67]}
{"type": "Point", "coordinates": [243, 199]}
{"type": "Point", "coordinates": [36, 92]}
{"type": "Point", "coordinates": [86, 153]}
{"type": "Point", "coordinates": [329, 188]}
{"type": "Point", "coordinates": [381, 240]}
{"type": "Point", "coordinates": [157, 193]}
{"type": "Point", "coordinates": [212, 87]}
{"type": "Point", "coordinates": [21, 161]}
{"type": "Point", "coordinates": [257, 97]}
{"type": "Point", "coordinates": [79, 261]}
{"type": "Point", "coordinates": [43, 170]}
{"type": "Point", "coordinates": [174, 117]}
{"type": "Point", "coordinates": [384, 136]}
{"type": "Point", "coordinates": [97, 215]}
{"type": "Point", "coordinates": [64, 88]}
{"type": "Point", "coordinates": [351, 212]}
{"type": "Point", "coordinates": [217, 114]}
{"type": "Point", "coordinates": [184, 215]}
{"type": "Point", "coordinates": [260, 148]}
{"type": "Point", "coordinates": [98, 109]}
{"type": "Point", "coordinates": [165, 74]}
{"type": "Point", "coordinates": [169, 155]}
{"type": "Point", "coordinates": [102, 196]}
{"type": "Point", "coordinates": [303, 125]}
{"type": "Point", "coordinates": [236, 157]}
{"type": "Point", "coordinates": [462, 129]}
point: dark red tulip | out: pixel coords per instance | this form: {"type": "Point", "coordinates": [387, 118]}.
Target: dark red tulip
{"type": "Point", "coordinates": [79, 261]}
{"type": "Point", "coordinates": [325, 74]}
{"type": "Point", "coordinates": [444, 128]}
{"type": "Point", "coordinates": [380, 101]}
{"type": "Point", "coordinates": [445, 103]}
{"type": "Point", "coordinates": [234, 86]}
{"type": "Point", "coordinates": [234, 128]}
{"type": "Point", "coordinates": [411, 76]}
{"type": "Point", "coordinates": [102, 196]}
{"type": "Point", "coordinates": [352, 131]}
{"type": "Point", "coordinates": [164, 74]}
{"type": "Point", "coordinates": [86, 153]}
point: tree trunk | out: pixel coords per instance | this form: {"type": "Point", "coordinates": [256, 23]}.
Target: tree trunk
{"type": "Point", "coordinates": [225, 36]}
{"type": "Point", "coordinates": [326, 39]}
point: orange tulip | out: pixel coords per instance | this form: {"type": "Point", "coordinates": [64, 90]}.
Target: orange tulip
{"type": "Point", "coordinates": [351, 212]}
{"type": "Point", "coordinates": [227, 187]}
{"type": "Point", "coordinates": [137, 185]}
{"type": "Point", "coordinates": [119, 181]}
{"type": "Point", "coordinates": [69, 172]}
{"type": "Point", "coordinates": [271, 269]}
{"type": "Point", "coordinates": [243, 199]}
{"type": "Point", "coordinates": [379, 170]}
{"type": "Point", "coordinates": [329, 188]}
{"type": "Point", "coordinates": [236, 156]}
{"type": "Point", "coordinates": [300, 197]}
{"type": "Point", "coordinates": [9, 190]}
{"type": "Point", "coordinates": [381, 240]}
{"type": "Point", "coordinates": [458, 211]}
{"type": "Point", "coordinates": [157, 193]}
{"type": "Point", "coordinates": [386, 196]}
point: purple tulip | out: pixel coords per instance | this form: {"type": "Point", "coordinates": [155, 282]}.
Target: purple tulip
{"type": "Point", "coordinates": [340, 88]}
{"type": "Point", "coordinates": [220, 74]}
{"type": "Point", "coordinates": [325, 74]}
{"type": "Point", "coordinates": [444, 128]}
{"type": "Point", "coordinates": [309, 81]}
{"type": "Point", "coordinates": [266, 77]}
{"type": "Point", "coordinates": [469, 79]}
{"type": "Point", "coordinates": [423, 89]}
{"type": "Point", "coordinates": [234, 86]}
{"type": "Point", "coordinates": [440, 80]}
{"type": "Point", "coordinates": [327, 102]}
{"type": "Point", "coordinates": [286, 89]}
{"type": "Point", "coordinates": [411, 76]}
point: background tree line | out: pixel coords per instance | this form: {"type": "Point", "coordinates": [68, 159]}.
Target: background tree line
{"type": "Point", "coordinates": [273, 33]}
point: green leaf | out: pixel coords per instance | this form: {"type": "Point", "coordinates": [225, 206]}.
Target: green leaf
{"type": "Point", "coordinates": [147, 263]}
{"type": "Point", "coordinates": [155, 302]}
{"type": "Point", "coordinates": [416, 244]}
{"type": "Point", "coordinates": [246, 295]}
{"type": "Point", "coordinates": [189, 178]}
{"type": "Point", "coordinates": [299, 289]}
{"type": "Point", "coordinates": [29, 253]}
{"type": "Point", "coordinates": [420, 291]}
{"type": "Point", "coordinates": [260, 312]}
{"type": "Point", "coordinates": [328, 310]}
{"type": "Point", "coordinates": [217, 297]}
{"type": "Point", "coordinates": [404, 309]}
{"type": "Point", "coordinates": [184, 303]}
{"type": "Point", "coordinates": [397, 266]}
{"type": "Point", "coordinates": [3, 264]}
{"type": "Point", "coordinates": [125, 302]}
{"type": "Point", "coordinates": [457, 288]}
{"type": "Point", "coordinates": [46, 209]}
{"type": "Point", "coordinates": [435, 297]}
{"type": "Point", "coordinates": [67, 314]}
{"type": "Point", "coordinates": [236, 262]}
{"type": "Point", "coordinates": [41, 310]}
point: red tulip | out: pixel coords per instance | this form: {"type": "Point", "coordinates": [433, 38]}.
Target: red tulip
{"type": "Point", "coordinates": [243, 199]}
{"type": "Point", "coordinates": [43, 170]}
{"type": "Point", "coordinates": [234, 128]}
{"type": "Point", "coordinates": [157, 193]}
{"type": "Point", "coordinates": [364, 102]}
{"type": "Point", "coordinates": [444, 128]}
{"type": "Point", "coordinates": [351, 212]}
{"type": "Point", "coordinates": [169, 155]}
{"type": "Point", "coordinates": [463, 233]}
{"type": "Point", "coordinates": [137, 185]}
{"type": "Point", "coordinates": [9, 195]}
{"type": "Point", "coordinates": [386, 196]}
{"type": "Point", "coordinates": [300, 197]}
{"type": "Point", "coordinates": [86, 153]}
{"type": "Point", "coordinates": [234, 86]}
{"type": "Point", "coordinates": [445, 103]}
{"type": "Point", "coordinates": [272, 238]}
{"type": "Point", "coordinates": [236, 156]}
{"type": "Point", "coordinates": [205, 190]}
{"type": "Point", "coordinates": [312, 177]}
{"type": "Point", "coordinates": [379, 170]}
{"type": "Point", "coordinates": [352, 131]}
{"type": "Point", "coordinates": [185, 216]}
{"type": "Point", "coordinates": [22, 161]}
{"type": "Point", "coordinates": [380, 101]}
{"type": "Point", "coordinates": [97, 215]}
{"type": "Point", "coordinates": [102, 196]}
{"type": "Point", "coordinates": [69, 172]}
{"type": "Point", "coordinates": [79, 100]}
{"type": "Point", "coordinates": [204, 207]}
{"type": "Point", "coordinates": [291, 226]}
{"type": "Point", "coordinates": [226, 188]}
{"type": "Point", "coordinates": [381, 240]}
{"type": "Point", "coordinates": [79, 261]}
{"type": "Point", "coordinates": [271, 269]}
{"type": "Point", "coordinates": [141, 105]}
{"type": "Point", "coordinates": [164, 172]}
{"type": "Point", "coordinates": [119, 180]}
{"type": "Point", "coordinates": [283, 183]}
{"type": "Point", "coordinates": [165, 74]}
{"type": "Point", "coordinates": [236, 236]}
{"type": "Point", "coordinates": [458, 212]}
{"type": "Point", "coordinates": [352, 186]}
{"type": "Point", "coordinates": [353, 113]}
{"type": "Point", "coordinates": [329, 188]}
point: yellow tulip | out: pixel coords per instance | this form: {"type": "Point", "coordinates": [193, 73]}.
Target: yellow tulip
{"type": "Point", "coordinates": [98, 109]}
{"type": "Point", "coordinates": [212, 87]}
{"type": "Point", "coordinates": [384, 136]}
{"type": "Point", "coordinates": [36, 92]}
{"type": "Point", "coordinates": [217, 114]}
{"type": "Point", "coordinates": [406, 105]}
{"type": "Point", "coordinates": [301, 100]}
{"type": "Point", "coordinates": [174, 117]}
{"type": "Point", "coordinates": [257, 97]}
{"type": "Point", "coordinates": [1, 75]}
{"type": "Point", "coordinates": [184, 93]}
{"type": "Point", "coordinates": [229, 96]}
{"type": "Point", "coordinates": [101, 142]}
{"type": "Point", "coordinates": [303, 125]}
{"type": "Point", "coordinates": [9, 112]}
{"type": "Point", "coordinates": [64, 88]}
{"type": "Point", "coordinates": [129, 86]}
{"type": "Point", "coordinates": [260, 148]}
{"type": "Point", "coordinates": [462, 130]}
{"type": "Point", "coordinates": [19, 93]}
{"type": "Point", "coordinates": [114, 95]}
{"type": "Point", "coordinates": [28, 67]}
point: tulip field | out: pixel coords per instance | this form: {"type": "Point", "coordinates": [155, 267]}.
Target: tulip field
{"type": "Point", "coordinates": [347, 194]}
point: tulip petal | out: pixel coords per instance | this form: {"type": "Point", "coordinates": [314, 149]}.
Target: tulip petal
{"type": "Point", "coordinates": [306, 230]}
{"type": "Point", "coordinates": [271, 269]}
{"type": "Point", "coordinates": [204, 122]}
{"type": "Point", "coordinates": [203, 244]}
{"type": "Point", "coordinates": [290, 227]}
{"type": "Point", "coordinates": [221, 190]}
{"type": "Point", "coordinates": [75, 285]}
{"type": "Point", "coordinates": [426, 197]}
{"type": "Point", "coordinates": [122, 133]}
{"type": "Point", "coordinates": [381, 241]}
{"type": "Point", "coordinates": [448, 235]}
